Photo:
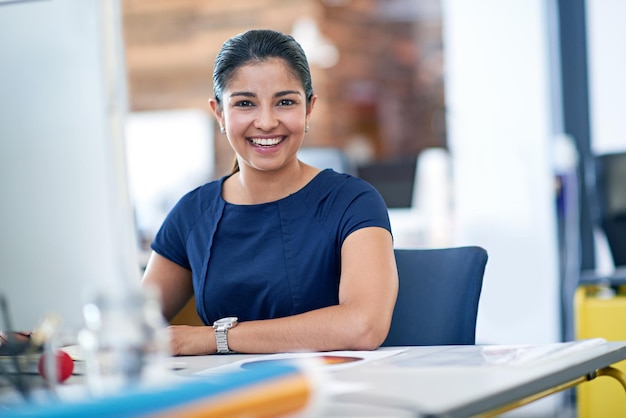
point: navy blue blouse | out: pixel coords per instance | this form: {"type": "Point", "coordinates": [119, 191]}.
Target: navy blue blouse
{"type": "Point", "coordinates": [273, 259]}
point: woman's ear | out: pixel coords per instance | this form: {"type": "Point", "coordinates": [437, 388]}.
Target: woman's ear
{"type": "Point", "coordinates": [310, 105]}
{"type": "Point", "coordinates": [309, 108]}
{"type": "Point", "coordinates": [217, 111]}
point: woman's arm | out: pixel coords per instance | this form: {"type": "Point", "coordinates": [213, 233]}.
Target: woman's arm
{"type": "Point", "coordinates": [367, 295]}
{"type": "Point", "coordinates": [172, 281]}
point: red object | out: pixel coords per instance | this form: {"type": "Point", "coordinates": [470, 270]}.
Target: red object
{"type": "Point", "coordinates": [65, 366]}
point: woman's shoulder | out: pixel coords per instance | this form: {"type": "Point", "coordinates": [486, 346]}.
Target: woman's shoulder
{"type": "Point", "coordinates": [334, 189]}
{"type": "Point", "coordinates": [330, 179]}
{"type": "Point", "coordinates": [347, 201]}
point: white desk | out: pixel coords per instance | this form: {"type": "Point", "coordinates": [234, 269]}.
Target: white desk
{"type": "Point", "coordinates": [445, 381]}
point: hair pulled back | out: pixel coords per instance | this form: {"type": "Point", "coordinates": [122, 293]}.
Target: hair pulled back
{"type": "Point", "coordinates": [259, 45]}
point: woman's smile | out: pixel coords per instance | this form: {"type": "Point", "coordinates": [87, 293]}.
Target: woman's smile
{"type": "Point", "coordinates": [265, 141]}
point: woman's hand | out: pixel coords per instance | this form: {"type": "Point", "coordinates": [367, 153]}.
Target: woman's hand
{"type": "Point", "coordinates": [186, 340]}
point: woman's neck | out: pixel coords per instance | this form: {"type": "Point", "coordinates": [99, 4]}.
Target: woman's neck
{"type": "Point", "coordinates": [250, 186]}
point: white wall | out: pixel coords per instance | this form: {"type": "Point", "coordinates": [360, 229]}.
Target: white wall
{"type": "Point", "coordinates": [169, 153]}
{"type": "Point", "coordinates": [499, 94]}
{"type": "Point", "coordinates": [500, 124]}
{"type": "Point", "coordinates": [65, 224]}
{"type": "Point", "coordinates": [607, 69]}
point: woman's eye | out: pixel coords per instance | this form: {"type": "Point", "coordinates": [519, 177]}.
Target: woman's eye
{"type": "Point", "coordinates": [243, 103]}
{"type": "Point", "coordinates": [285, 102]}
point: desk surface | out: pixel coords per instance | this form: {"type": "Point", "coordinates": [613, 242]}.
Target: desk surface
{"type": "Point", "coordinates": [450, 381]}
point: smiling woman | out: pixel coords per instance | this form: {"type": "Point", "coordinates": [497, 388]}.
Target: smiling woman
{"type": "Point", "coordinates": [238, 76]}
{"type": "Point", "coordinates": [279, 255]}
{"type": "Point", "coordinates": [264, 127]}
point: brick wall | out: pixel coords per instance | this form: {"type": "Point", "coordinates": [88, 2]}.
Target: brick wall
{"type": "Point", "coordinates": [385, 90]}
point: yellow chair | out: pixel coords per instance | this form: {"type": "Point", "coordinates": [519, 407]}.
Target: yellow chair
{"type": "Point", "coordinates": [598, 315]}
{"type": "Point", "coordinates": [187, 315]}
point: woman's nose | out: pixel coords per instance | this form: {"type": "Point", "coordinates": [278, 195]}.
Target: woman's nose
{"type": "Point", "coordinates": [266, 120]}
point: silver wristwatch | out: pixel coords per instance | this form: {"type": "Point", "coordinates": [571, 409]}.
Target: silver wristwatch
{"type": "Point", "coordinates": [221, 327]}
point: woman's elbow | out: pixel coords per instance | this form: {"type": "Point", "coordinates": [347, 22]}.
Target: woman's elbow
{"type": "Point", "coordinates": [369, 334]}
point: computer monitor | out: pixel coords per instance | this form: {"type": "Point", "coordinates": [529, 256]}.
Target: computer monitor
{"type": "Point", "coordinates": [66, 224]}
{"type": "Point", "coordinates": [393, 178]}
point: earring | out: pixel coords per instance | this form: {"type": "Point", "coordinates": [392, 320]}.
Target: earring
{"type": "Point", "coordinates": [306, 128]}
{"type": "Point", "coordinates": [222, 130]}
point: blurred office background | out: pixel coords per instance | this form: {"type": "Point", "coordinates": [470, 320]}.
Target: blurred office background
{"type": "Point", "coordinates": [479, 122]}
{"type": "Point", "coordinates": [474, 120]}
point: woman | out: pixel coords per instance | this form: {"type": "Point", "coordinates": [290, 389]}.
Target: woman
{"type": "Point", "coordinates": [302, 258]}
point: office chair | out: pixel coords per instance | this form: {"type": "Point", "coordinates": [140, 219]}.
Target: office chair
{"type": "Point", "coordinates": [438, 296]}
{"type": "Point", "coordinates": [609, 202]}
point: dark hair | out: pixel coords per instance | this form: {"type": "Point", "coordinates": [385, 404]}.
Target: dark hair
{"type": "Point", "coordinates": [259, 45]}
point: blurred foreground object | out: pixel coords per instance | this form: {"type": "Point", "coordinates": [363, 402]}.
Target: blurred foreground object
{"type": "Point", "coordinates": [64, 366]}
{"type": "Point", "coordinates": [269, 390]}
{"type": "Point", "coordinates": [125, 340]}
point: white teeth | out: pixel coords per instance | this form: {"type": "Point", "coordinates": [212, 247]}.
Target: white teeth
{"type": "Point", "coordinates": [266, 141]}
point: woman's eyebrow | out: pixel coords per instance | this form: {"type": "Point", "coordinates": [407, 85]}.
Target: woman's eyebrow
{"type": "Point", "coordinates": [277, 94]}
{"type": "Point", "coordinates": [287, 92]}
{"type": "Point", "coordinates": [242, 93]}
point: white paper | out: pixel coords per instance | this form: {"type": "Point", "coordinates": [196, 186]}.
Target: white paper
{"type": "Point", "coordinates": [496, 355]}
{"type": "Point", "coordinates": [328, 360]}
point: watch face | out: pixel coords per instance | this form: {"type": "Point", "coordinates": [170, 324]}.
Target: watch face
{"type": "Point", "coordinates": [229, 320]}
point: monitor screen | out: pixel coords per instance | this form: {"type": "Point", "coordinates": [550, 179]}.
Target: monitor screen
{"type": "Point", "coordinates": [394, 179]}
{"type": "Point", "coordinates": [66, 224]}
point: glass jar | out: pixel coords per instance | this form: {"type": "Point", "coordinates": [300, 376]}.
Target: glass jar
{"type": "Point", "coordinates": [125, 340]}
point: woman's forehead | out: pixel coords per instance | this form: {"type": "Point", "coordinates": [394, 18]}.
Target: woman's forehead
{"type": "Point", "coordinates": [272, 72]}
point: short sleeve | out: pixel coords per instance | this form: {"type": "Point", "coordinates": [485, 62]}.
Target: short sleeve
{"type": "Point", "coordinates": [366, 209]}
{"type": "Point", "coordinates": [169, 240]}
{"type": "Point", "coordinates": [198, 211]}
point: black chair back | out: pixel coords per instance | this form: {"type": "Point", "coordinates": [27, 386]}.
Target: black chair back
{"type": "Point", "coordinates": [610, 202]}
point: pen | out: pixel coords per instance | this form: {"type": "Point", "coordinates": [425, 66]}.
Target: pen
{"type": "Point", "coordinates": [18, 379]}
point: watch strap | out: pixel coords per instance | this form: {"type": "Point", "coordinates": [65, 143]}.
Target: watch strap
{"type": "Point", "coordinates": [221, 328]}
{"type": "Point", "coordinates": [221, 340]}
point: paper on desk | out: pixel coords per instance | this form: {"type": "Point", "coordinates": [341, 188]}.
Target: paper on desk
{"type": "Point", "coordinates": [497, 355]}
{"type": "Point", "coordinates": [317, 366]}
{"type": "Point", "coordinates": [518, 355]}
{"type": "Point", "coordinates": [328, 360]}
